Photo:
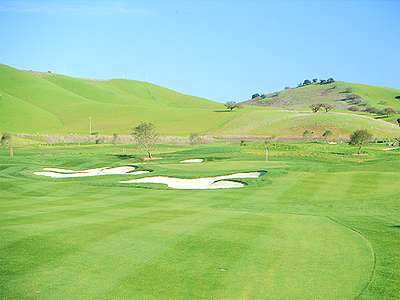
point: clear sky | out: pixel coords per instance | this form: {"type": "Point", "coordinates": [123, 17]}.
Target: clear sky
{"type": "Point", "coordinates": [223, 50]}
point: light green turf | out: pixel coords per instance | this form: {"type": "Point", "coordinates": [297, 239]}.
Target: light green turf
{"type": "Point", "coordinates": [49, 103]}
{"type": "Point", "coordinates": [322, 224]}
{"type": "Point", "coordinates": [32, 102]}
{"type": "Point", "coordinates": [285, 123]}
{"type": "Point", "coordinates": [376, 96]}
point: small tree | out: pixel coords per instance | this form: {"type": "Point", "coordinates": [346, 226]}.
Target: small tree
{"type": "Point", "coordinates": [315, 80]}
{"type": "Point", "coordinates": [360, 138]}
{"type": "Point", "coordinates": [231, 105]}
{"type": "Point", "coordinates": [396, 141]}
{"type": "Point", "coordinates": [327, 107]}
{"type": "Point", "coordinates": [194, 138]}
{"type": "Point", "coordinates": [388, 111]}
{"type": "Point", "coordinates": [327, 134]}
{"type": "Point", "coordinates": [316, 107]}
{"type": "Point", "coordinates": [330, 80]}
{"type": "Point", "coordinates": [6, 140]}
{"type": "Point", "coordinates": [307, 134]}
{"type": "Point", "coordinates": [306, 82]}
{"type": "Point", "coordinates": [267, 143]}
{"type": "Point", "coordinates": [114, 138]}
{"type": "Point", "coordinates": [146, 136]}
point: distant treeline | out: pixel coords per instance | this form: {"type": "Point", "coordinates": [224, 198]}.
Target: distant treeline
{"type": "Point", "coordinates": [316, 81]}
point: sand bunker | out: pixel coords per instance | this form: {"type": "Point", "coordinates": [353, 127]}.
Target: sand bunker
{"type": "Point", "coordinates": [390, 149]}
{"type": "Point", "coordinates": [64, 173]}
{"type": "Point", "coordinates": [191, 161]}
{"type": "Point", "coordinates": [219, 182]}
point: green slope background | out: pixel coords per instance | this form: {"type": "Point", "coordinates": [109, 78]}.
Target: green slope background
{"type": "Point", "coordinates": [48, 103]}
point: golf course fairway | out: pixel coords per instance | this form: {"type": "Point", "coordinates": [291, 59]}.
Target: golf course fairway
{"type": "Point", "coordinates": [305, 230]}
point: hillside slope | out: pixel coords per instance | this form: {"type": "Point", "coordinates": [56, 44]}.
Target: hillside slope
{"type": "Point", "coordinates": [33, 102]}
{"type": "Point", "coordinates": [51, 103]}
{"type": "Point", "coordinates": [340, 94]}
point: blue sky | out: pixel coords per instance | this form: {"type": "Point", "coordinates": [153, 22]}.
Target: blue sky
{"type": "Point", "coordinates": [223, 50]}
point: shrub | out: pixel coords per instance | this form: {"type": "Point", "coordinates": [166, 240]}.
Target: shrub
{"type": "Point", "coordinates": [347, 90]}
{"type": "Point", "coordinates": [388, 111]}
{"type": "Point", "coordinates": [194, 138]}
{"type": "Point", "coordinates": [354, 108]}
{"type": "Point", "coordinates": [307, 133]}
{"type": "Point", "coordinates": [327, 134]}
{"type": "Point", "coordinates": [372, 110]}
{"type": "Point", "coordinates": [114, 138]}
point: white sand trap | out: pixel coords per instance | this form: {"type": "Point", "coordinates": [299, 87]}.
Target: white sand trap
{"type": "Point", "coordinates": [64, 173]}
{"type": "Point", "coordinates": [390, 149]}
{"type": "Point", "coordinates": [192, 161]}
{"type": "Point", "coordinates": [205, 183]}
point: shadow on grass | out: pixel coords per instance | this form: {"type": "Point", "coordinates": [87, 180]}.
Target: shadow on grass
{"type": "Point", "coordinates": [125, 156]}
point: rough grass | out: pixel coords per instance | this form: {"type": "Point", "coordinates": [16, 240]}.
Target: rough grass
{"type": "Point", "coordinates": [285, 123]}
{"type": "Point", "coordinates": [320, 225]}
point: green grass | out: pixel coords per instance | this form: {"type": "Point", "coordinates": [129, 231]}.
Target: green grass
{"type": "Point", "coordinates": [376, 96]}
{"type": "Point", "coordinates": [32, 102]}
{"type": "Point", "coordinates": [302, 97]}
{"type": "Point", "coordinates": [50, 103]}
{"type": "Point", "coordinates": [322, 224]}
{"type": "Point", "coordinates": [286, 123]}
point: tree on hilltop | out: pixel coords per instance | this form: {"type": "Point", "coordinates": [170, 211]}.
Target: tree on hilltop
{"type": "Point", "coordinates": [231, 105]}
{"type": "Point", "coordinates": [330, 80]}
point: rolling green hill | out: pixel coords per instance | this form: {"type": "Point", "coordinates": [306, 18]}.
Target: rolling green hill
{"type": "Point", "coordinates": [340, 94]}
{"type": "Point", "coordinates": [50, 103]}
{"type": "Point", "coordinates": [34, 102]}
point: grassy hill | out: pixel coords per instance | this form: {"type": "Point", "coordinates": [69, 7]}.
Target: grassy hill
{"type": "Point", "coordinates": [292, 124]}
{"type": "Point", "coordinates": [33, 102]}
{"type": "Point", "coordinates": [340, 94]}
{"type": "Point", "coordinates": [41, 102]}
